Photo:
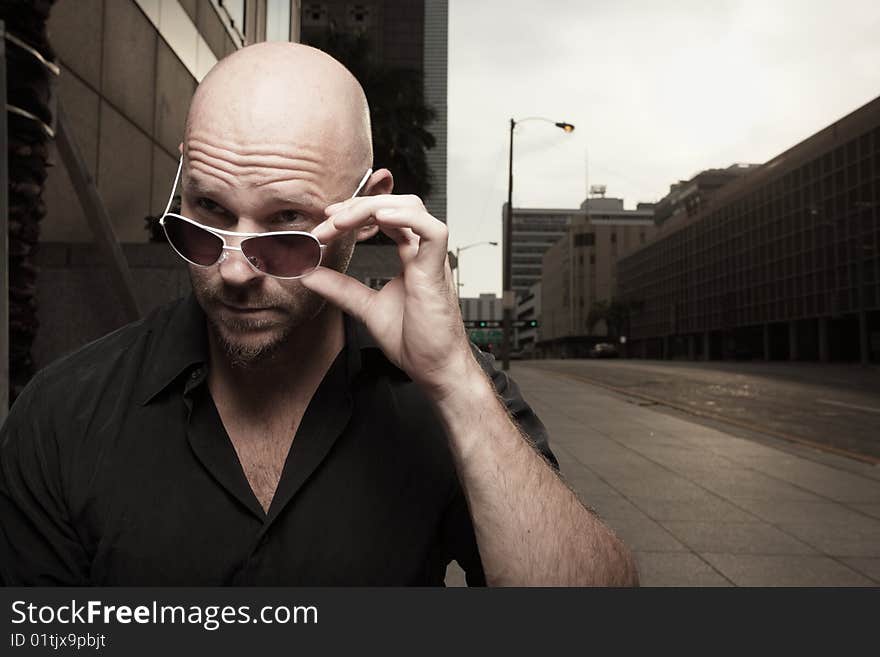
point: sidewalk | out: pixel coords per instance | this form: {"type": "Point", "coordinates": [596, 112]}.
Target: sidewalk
{"type": "Point", "coordinates": [700, 507]}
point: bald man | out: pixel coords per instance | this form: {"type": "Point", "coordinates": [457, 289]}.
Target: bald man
{"type": "Point", "coordinates": [287, 425]}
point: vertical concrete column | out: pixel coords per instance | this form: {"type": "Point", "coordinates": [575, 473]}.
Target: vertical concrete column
{"type": "Point", "coordinates": [792, 340]}
{"type": "Point", "coordinates": [692, 348]}
{"type": "Point", "coordinates": [766, 342]}
{"type": "Point", "coordinates": [707, 346]}
{"type": "Point", "coordinates": [823, 340]}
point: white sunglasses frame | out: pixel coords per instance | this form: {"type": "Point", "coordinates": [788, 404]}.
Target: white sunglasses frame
{"type": "Point", "coordinates": [244, 236]}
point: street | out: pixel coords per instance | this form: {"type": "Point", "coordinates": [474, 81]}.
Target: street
{"type": "Point", "coordinates": [834, 406]}
{"type": "Point", "coordinates": [704, 503]}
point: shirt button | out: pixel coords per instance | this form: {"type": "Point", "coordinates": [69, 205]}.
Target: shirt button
{"type": "Point", "coordinates": [195, 374]}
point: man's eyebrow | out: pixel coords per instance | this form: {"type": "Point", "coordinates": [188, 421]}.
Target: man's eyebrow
{"type": "Point", "coordinates": [195, 185]}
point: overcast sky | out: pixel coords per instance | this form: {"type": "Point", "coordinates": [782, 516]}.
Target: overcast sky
{"type": "Point", "coordinates": [657, 90]}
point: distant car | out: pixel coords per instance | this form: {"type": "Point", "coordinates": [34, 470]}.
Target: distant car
{"type": "Point", "coordinates": [604, 350]}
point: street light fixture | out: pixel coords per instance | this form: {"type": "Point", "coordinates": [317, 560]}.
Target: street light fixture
{"type": "Point", "coordinates": [458, 262]}
{"type": "Point", "coordinates": [508, 300]}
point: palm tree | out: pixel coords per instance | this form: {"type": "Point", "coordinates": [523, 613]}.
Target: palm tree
{"type": "Point", "coordinates": [28, 88]}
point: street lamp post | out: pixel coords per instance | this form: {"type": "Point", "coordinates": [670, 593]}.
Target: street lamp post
{"type": "Point", "coordinates": [508, 300]}
{"type": "Point", "coordinates": [458, 251]}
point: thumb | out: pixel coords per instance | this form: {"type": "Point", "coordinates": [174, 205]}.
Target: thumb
{"type": "Point", "coordinates": [350, 295]}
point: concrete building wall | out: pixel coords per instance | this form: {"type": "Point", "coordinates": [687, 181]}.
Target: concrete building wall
{"type": "Point", "coordinates": [528, 308]}
{"type": "Point", "coordinates": [556, 315]}
{"type": "Point", "coordinates": [126, 93]}
{"type": "Point", "coordinates": [581, 268]}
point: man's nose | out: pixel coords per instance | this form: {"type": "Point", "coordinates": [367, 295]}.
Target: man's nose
{"type": "Point", "coordinates": [235, 269]}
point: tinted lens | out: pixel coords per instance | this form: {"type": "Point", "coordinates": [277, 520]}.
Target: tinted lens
{"type": "Point", "coordinates": [282, 255]}
{"type": "Point", "coordinates": [193, 243]}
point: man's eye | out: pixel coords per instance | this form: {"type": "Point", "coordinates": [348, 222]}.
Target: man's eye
{"type": "Point", "coordinates": [208, 205]}
{"type": "Point", "coordinates": [288, 217]}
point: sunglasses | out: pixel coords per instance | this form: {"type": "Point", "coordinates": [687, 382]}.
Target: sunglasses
{"type": "Point", "coordinates": [286, 254]}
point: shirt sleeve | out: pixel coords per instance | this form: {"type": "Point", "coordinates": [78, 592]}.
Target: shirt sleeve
{"type": "Point", "coordinates": [38, 545]}
{"type": "Point", "coordinates": [519, 410]}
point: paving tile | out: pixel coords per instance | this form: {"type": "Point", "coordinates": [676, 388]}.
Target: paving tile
{"type": "Point", "coordinates": [702, 508]}
{"type": "Point", "coordinates": [676, 569]}
{"type": "Point", "coordinates": [868, 567]}
{"type": "Point", "coordinates": [774, 570]}
{"type": "Point", "coordinates": [858, 540]}
{"type": "Point", "coordinates": [735, 538]}
{"type": "Point", "coordinates": [872, 510]}
{"type": "Point", "coordinates": [748, 484]}
{"type": "Point", "coordinates": [662, 487]}
{"type": "Point", "coordinates": [795, 511]}
{"type": "Point", "coordinates": [589, 486]}
{"type": "Point", "coordinates": [609, 507]}
{"type": "Point", "coordinates": [642, 533]}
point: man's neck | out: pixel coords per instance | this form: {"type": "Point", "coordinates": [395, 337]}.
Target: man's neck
{"type": "Point", "coordinates": [292, 372]}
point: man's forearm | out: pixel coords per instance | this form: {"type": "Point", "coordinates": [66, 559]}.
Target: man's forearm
{"type": "Point", "coordinates": [531, 529]}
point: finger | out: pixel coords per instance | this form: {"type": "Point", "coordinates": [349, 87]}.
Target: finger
{"type": "Point", "coordinates": [391, 211]}
{"type": "Point", "coordinates": [355, 213]}
{"type": "Point", "coordinates": [406, 240]}
{"type": "Point", "coordinates": [352, 296]}
{"type": "Point", "coordinates": [432, 233]}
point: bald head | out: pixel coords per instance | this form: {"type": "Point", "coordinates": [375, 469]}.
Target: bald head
{"type": "Point", "coordinates": [285, 95]}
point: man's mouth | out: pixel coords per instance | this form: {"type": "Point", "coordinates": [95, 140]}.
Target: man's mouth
{"type": "Point", "coordinates": [245, 309]}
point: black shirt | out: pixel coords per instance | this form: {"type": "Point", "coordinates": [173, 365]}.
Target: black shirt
{"type": "Point", "coordinates": [115, 469]}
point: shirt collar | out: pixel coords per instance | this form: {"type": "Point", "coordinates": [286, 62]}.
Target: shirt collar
{"type": "Point", "coordinates": [180, 344]}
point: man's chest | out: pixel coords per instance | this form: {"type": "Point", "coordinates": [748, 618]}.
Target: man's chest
{"type": "Point", "coordinates": [262, 450]}
{"type": "Point", "coordinates": [349, 506]}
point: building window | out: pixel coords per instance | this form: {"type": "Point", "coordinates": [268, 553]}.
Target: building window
{"type": "Point", "coordinates": [592, 259]}
{"type": "Point", "coordinates": [359, 16]}
{"type": "Point", "coordinates": [315, 15]}
{"type": "Point", "coordinates": [585, 239]}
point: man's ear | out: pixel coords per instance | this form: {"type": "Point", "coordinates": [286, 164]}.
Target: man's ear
{"type": "Point", "coordinates": [381, 182]}
{"type": "Point", "coordinates": [180, 148]}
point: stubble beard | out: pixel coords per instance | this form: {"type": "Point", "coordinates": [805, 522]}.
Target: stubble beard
{"type": "Point", "coordinates": [249, 342]}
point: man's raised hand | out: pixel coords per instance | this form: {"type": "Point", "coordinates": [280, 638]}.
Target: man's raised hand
{"type": "Point", "coordinates": [415, 318]}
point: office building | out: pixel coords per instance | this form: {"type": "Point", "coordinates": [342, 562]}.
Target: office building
{"type": "Point", "coordinates": [128, 71]}
{"type": "Point", "coordinates": [782, 264]}
{"type": "Point", "coordinates": [688, 197]}
{"type": "Point", "coordinates": [528, 309]}
{"type": "Point", "coordinates": [476, 310]}
{"type": "Point", "coordinates": [580, 270]}
{"type": "Point", "coordinates": [534, 231]}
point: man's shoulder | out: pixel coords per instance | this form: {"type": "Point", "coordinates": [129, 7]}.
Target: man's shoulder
{"type": "Point", "coordinates": [97, 360]}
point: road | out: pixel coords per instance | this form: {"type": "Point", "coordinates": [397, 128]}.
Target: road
{"type": "Point", "coordinates": [836, 407]}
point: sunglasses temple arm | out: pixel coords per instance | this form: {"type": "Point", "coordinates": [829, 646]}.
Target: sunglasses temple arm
{"type": "Point", "coordinates": [363, 182]}
{"type": "Point", "coordinates": [174, 186]}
